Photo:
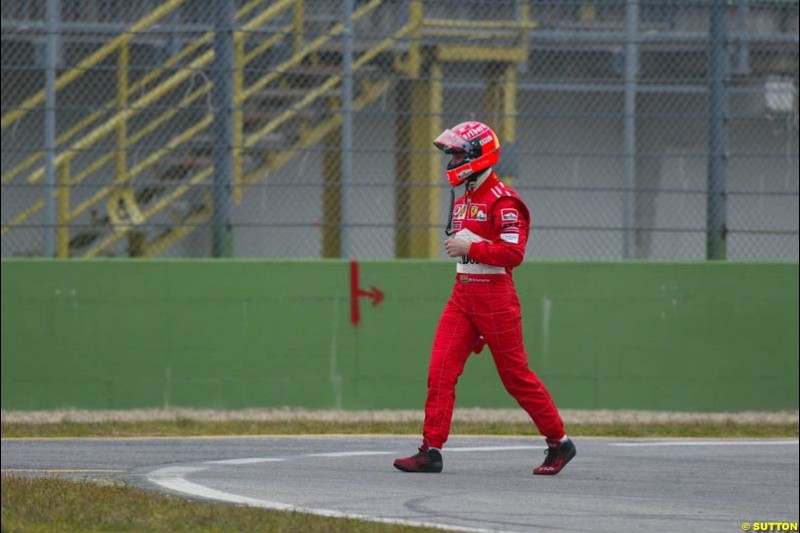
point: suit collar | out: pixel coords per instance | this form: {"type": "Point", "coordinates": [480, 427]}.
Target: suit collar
{"type": "Point", "coordinates": [484, 183]}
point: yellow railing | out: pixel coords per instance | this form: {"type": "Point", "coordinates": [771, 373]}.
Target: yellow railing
{"type": "Point", "coordinates": [240, 95]}
{"type": "Point", "coordinates": [155, 94]}
{"type": "Point", "coordinates": [68, 77]}
{"type": "Point", "coordinates": [108, 107]}
{"type": "Point", "coordinates": [370, 93]}
{"type": "Point", "coordinates": [119, 190]}
{"type": "Point", "coordinates": [119, 121]}
{"type": "Point", "coordinates": [139, 85]}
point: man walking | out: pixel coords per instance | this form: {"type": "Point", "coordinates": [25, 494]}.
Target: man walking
{"type": "Point", "coordinates": [489, 225]}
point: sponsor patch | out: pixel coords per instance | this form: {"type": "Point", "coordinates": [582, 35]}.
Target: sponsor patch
{"type": "Point", "coordinates": [509, 215]}
{"type": "Point", "coordinates": [457, 225]}
{"type": "Point", "coordinates": [510, 237]}
{"type": "Point", "coordinates": [509, 227]}
{"type": "Point", "coordinates": [477, 212]}
{"type": "Point", "coordinates": [475, 131]}
{"type": "Point", "coordinates": [459, 212]}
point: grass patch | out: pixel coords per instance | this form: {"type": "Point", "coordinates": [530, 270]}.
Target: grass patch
{"type": "Point", "coordinates": [186, 428]}
{"type": "Point", "coordinates": [49, 505]}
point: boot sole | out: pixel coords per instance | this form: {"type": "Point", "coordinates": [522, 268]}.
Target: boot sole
{"type": "Point", "coordinates": [432, 470]}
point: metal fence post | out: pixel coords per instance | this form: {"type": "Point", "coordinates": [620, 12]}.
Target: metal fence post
{"type": "Point", "coordinates": [238, 113]}
{"type": "Point", "coordinates": [51, 65]}
{"type": "Point", "coordinates": [742, 66]}
{"type": "Point", "coordinates": [223, 102]}
{"type": "Point", "coordinates": [718, 116]}
{"type": "Point", "coordinates": [347, 123]}
{"type": "Point", "coordinates": [629, 121]}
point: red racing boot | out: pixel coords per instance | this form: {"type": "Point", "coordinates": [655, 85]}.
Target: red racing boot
{"type": "Point", "coordinates": [427, 460]}
{"type": "Point", "coordinates": [558, 455]}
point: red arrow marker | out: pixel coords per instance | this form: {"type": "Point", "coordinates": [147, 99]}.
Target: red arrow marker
{"type": "Point", "coordinates": [374, 293]}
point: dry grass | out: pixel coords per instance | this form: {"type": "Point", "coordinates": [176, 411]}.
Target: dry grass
{"type": "Point", "coordinates": [50, 505]}
{"type": "Point", "coordinates": [471, 415]}
{"type": "Point", "coordinates": [187, 422]}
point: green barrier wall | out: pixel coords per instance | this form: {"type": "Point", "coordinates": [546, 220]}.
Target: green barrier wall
{"type": "Point", "coordinates": [233, 334]}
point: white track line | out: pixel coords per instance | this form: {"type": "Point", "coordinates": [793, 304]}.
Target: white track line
{"type": "Point", "coordinates": [172, 478]}
{"type": "Point", "coordinates": [245, 461]}
{"type": "Point", "coordinates": [347, 454]}
{"type": "Point", "coordinates": [707, 443]}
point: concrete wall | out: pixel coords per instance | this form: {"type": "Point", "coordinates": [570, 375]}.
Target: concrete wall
{"type": "Point", "coordinates": [234, 334]}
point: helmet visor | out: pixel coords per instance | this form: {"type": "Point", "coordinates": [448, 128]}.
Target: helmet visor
{"type": "Point", "coordinates": [450, 142]}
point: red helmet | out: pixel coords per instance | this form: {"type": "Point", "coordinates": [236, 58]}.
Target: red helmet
{"type": "Point", "coordinates": [474, 146]}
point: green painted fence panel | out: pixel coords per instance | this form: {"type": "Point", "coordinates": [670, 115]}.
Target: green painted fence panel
{"type": "Point", "coordinates": [117, 334]}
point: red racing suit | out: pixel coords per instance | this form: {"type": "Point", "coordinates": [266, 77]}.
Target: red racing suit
{"type": "Point", "coordinates": [496, 222]}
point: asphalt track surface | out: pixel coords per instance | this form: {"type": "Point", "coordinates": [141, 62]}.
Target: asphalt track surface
{"type": "Point", "coordinates": [487, 485]}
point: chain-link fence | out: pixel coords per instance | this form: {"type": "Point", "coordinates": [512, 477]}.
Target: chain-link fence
{"type": "Point", "coordinates": [303, 128]}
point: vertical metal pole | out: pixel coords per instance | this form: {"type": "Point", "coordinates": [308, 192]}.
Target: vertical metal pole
{"type": "Point", "coordinates": [222, 100]}
{"type": "Point", "coordinates": [718, 114]}
{"type": "Point", "coordinates": [347, 123]}
{"type": "Point", "coordinates": [629, 124]}
{"type": "Point", "coordinates": [522, 13]}
{"type": "Point", "coordinates": [173, 43]}
{"type": "Point", "coordinates": [51, 64]}
{"type": "Point", "coordinates": [332, 189]}
{"type": "Point", "coordinates": [742, 38]}
{"type": "Point", "coordinates": [238, 116]}
{"type": "Point", "coordinates": [122, 104]}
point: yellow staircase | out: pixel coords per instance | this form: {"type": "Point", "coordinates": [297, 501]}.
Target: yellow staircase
{"type": "Point", "coordinates": [279, 123]}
